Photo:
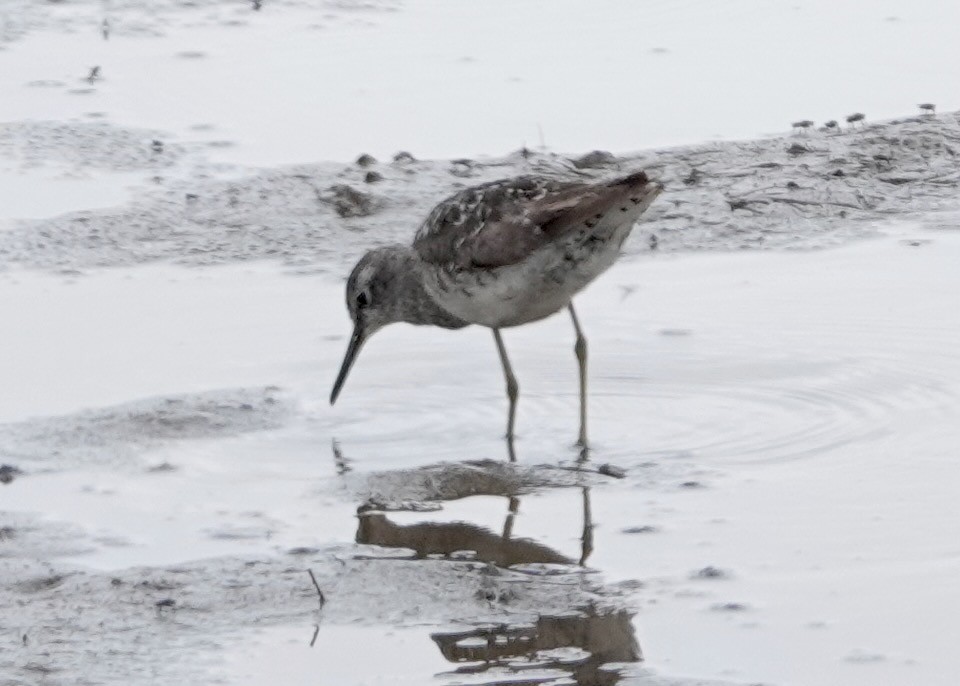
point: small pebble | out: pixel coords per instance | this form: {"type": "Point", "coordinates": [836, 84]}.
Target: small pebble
{"type": "Point", "coordinates": [594, 159]}
{"type": "Point", "coordinates": [303, 550]}
{"type": "Point", "coordinates": [729, 607]}
{"type": "Point", "coordinates": [162, 467]}
{"type": "Point", "coordinates": [710, 573]}
{"type": "Point", "coordinates": [8, 473]}
{"type": "Point", "coordinates": [612, 470]}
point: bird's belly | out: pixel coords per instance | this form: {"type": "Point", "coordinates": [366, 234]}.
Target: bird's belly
{"type": "Point", "coordinates": [528, 291]}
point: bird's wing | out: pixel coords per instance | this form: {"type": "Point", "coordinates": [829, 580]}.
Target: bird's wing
{"type": "Point", "coordinates": [503, 222]}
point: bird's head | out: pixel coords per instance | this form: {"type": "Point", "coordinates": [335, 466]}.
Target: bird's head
{"type": "Point", "coordinates": [371, 301]}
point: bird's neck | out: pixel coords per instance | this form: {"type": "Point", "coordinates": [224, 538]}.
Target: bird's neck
{"type": "Point", "coordinates": [412, 303]}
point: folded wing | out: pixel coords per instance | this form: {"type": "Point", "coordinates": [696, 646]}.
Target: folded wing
{"type": "Point", "coordinates": [503, 222]}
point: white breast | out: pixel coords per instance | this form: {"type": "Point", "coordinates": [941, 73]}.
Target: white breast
{"type": "Point", "coordinates": [533, 289]}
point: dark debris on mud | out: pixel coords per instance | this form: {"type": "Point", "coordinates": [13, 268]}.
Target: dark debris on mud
{"type": "Point", "coordinates": [347, 201]}
{"type": "Point", "coordinates": [720, 196]}
{"type": "Point", "coordinates": [8, 473]}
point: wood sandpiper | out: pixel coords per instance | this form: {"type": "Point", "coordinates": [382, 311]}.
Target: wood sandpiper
{"type": "Point", "coordinates": [500, 254]}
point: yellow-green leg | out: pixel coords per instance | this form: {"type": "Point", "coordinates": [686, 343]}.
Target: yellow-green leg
{"type": "Point", "coordinates": [580, 348]}
{"type": "Point", "coordinates": [513, 390]}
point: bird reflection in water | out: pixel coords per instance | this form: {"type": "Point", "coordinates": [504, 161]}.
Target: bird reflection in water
{"type": "Point", "coordinates": [431, 538]}
{"type": "Point", "coordinates": [447, 538]}
{"type": "Point", "coordinates": [578, 645]}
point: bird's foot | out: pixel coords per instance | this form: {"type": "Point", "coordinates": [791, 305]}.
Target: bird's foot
{"type": "Point", "coordinates": [511, 453]}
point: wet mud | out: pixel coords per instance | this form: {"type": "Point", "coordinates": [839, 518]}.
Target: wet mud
{"type": "Point", "coordinates": [401, 574]}
{"type": "Point", "coordinates": [115, 436]}
{"type": "Point", "coordinates": [783, 192]}
{"type": "Point", "coordinates": [455, 480]}
{"type": "Point", "coordinates": [540, 601]}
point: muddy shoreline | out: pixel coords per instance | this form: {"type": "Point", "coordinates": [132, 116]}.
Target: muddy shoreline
{"type": "Point", "coordinates": [765, 427]}
{"type": "Point", "coordinates": [139, 621]}
{"type": "Point", "coordinates": [811, 190]}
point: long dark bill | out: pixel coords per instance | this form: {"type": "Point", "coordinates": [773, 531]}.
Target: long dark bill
{"type": "Point", "coordinates": [356, 342]}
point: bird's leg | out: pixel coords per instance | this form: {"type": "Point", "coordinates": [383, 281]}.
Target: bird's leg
{"type": "Point", "coordinates": [511, 454]}
{"type": "Point", "coordinates": [512, 509]}
{"type": "Point", "coordinates": [580, 348]}
{"type": "Point", "coordinates": [512, 388]}
{"type": "Point", "coordinates": [586, 541]}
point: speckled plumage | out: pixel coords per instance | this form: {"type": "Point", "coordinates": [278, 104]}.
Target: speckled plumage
{"type": "Point", "coordinates": [510, 252]}
{"type": "Point", "coordinates": [500, 254]}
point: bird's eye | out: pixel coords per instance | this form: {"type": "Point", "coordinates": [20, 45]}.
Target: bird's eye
{"type": "Point", "coordinates": [362, 299]}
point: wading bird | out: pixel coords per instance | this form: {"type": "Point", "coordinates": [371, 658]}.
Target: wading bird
{"type": "Point", "coordinates": [498, 255]}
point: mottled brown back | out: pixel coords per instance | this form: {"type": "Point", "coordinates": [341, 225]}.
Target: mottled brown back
{"type": "Point", "coordinates": [501, 223]}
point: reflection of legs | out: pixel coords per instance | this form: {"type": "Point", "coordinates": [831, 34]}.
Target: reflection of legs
{"type": "Point", "coordinates": [580, 348]}
{"type": "Point", "coordinates": [341, 463]}
{"type": "Point", "coordinates": [511, 516]}
{"type": "Point", "coordinates": [512, 388]}
{"type": "Point", "coordinates": [587, 538]}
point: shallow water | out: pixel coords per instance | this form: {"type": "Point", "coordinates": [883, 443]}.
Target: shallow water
{"type": "Point", "coordinates": [65, 191]}
{"type": "Point", "coordinates": [787, 423]}
{"type": "Point", "coordinates": [646, 59]}
{"type": "Point", "coordinates": [548, 650]}
{"type": "Point", "coordinates": [304, 658]}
